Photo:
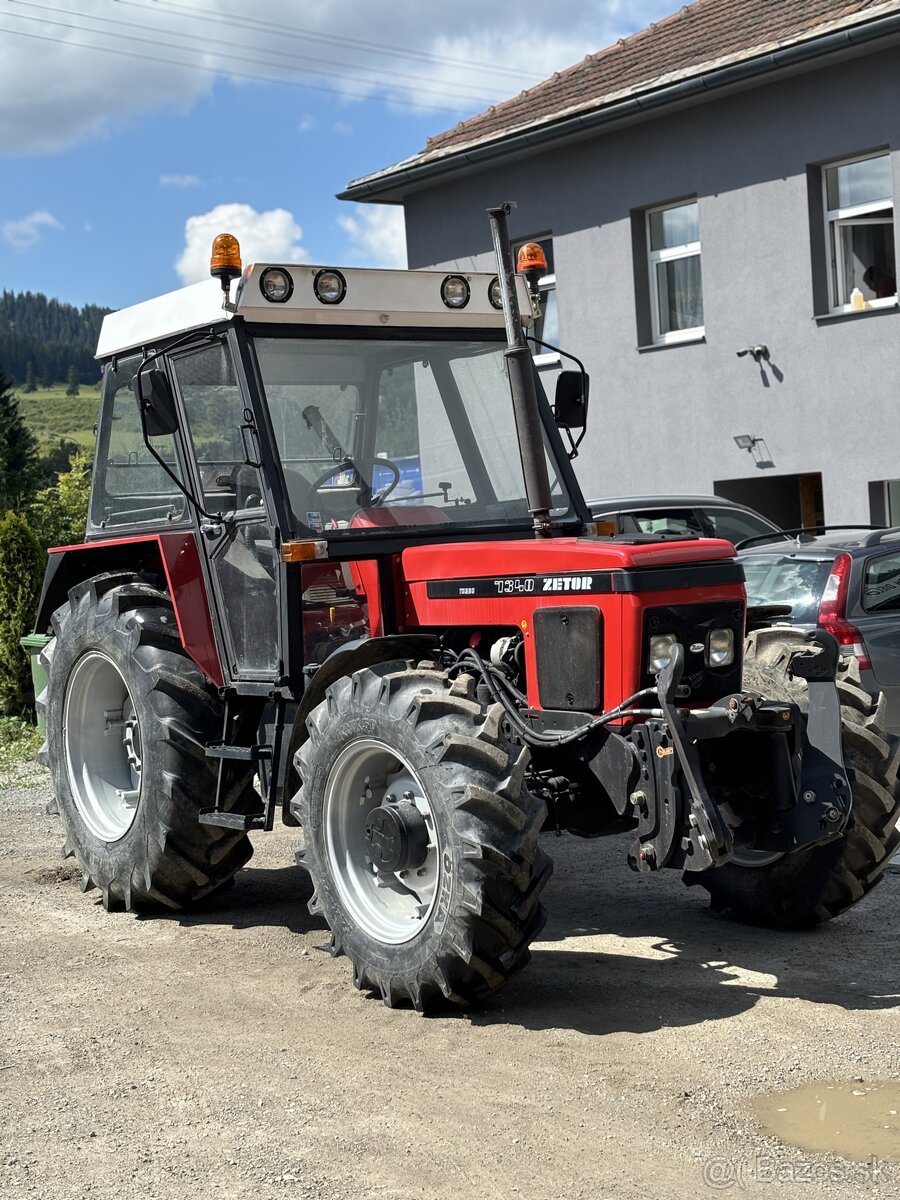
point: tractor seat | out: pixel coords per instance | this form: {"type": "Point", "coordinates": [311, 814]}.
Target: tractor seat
{"type": "Point", "coordinates": [402, 515]}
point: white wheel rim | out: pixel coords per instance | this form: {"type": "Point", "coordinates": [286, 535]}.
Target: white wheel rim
{"type": "Point", "coordinates": [102, 740]}
{"type": "Point", "coordinates": [390, 906]}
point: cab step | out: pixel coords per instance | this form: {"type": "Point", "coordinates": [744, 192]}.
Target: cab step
{"type": "Point", "coordinates": [231, 820]}
{"type": "Point", "coordinates": [237, 753]}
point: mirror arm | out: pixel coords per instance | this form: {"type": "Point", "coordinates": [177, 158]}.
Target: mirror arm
{"type": "Point", "coordinates": [556, 350]}
{"type": "Point", "coordinates": [574, 443]}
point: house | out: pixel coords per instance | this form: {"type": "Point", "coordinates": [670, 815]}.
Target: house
{"type": "Point", "coordinates": [716, 196]}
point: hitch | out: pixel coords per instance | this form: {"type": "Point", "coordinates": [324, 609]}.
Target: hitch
{"type": "Point", "coordinates": [681, 825]}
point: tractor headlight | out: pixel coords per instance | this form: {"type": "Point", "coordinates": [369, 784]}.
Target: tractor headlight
{"type": "Point", "coordinates": [720, 648]}
{"type": "Point", "coordinates": [661, 650]}
{"type": "Point", "coordinates": [276, 285]}
{"type": "Point", "coordinates": [495, 295]}
{"type": "Point", "coordinates": [330, 287]}
{"type": "Point", "coordinates": [455, 291]}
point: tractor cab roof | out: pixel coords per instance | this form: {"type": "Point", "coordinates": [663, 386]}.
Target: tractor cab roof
{"type": "Point", "coordinates": [301, 294]}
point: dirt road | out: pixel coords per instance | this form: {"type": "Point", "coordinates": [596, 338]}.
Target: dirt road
{"type": "Point", "coordinates": [221, 1054]}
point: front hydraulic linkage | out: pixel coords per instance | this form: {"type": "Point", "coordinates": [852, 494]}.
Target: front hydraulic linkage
{"type": "Point", "coordinates": [680, 825]}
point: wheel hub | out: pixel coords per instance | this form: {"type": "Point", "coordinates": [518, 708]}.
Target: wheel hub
{"type": "Point", "coordinates": [397, 836]}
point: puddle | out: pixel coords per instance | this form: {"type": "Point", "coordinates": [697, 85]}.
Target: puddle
{"type": "Point", "coordinates": [856, 1120]}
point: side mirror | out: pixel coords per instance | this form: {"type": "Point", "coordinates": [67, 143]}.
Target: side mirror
{"type": "Point", "coordinates": [570, 405]}
{"type": "Point", "coordinates": [155, 402]}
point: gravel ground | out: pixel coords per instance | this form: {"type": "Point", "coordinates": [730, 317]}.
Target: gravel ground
{"type": "Point", "coordinates": [221, 1053]}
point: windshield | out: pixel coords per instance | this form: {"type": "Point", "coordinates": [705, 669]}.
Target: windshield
{"type": "Point", "coordinates": [376, 433]}
{"type": "Point", "coordinates": [781, 579]}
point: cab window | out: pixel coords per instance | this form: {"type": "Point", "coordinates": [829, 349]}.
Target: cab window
{"type": "Point", "coordinates": [130, 486]}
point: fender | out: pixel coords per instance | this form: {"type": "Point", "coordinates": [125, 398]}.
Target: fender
{"type": "Point", "coordinates": [352, 656]}
{"type": "Point", "coordinates": [174, 555]}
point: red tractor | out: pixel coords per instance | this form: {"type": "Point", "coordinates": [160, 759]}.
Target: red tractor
{"type": "Point", "coordinates": [336, 546]}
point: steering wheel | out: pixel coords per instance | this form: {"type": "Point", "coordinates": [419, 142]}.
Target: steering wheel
{"type": "Point", "coordinates": [378, 498]}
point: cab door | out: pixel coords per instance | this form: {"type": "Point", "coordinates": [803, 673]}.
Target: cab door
{"type": "Point", "coordinates": [237, 535]}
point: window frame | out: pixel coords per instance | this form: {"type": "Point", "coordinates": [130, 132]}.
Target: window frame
{"type": "Point", "coordinates": [835, 219]}
{"type": "Point", "coordinates": [670, 254]}
{"type": "Point", "coordinates": [869, 563]}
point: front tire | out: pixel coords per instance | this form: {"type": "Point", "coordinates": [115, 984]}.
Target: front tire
{"type": "Point", "coordinates": [817, 883]}
{"type": "Point", "coordinates": [128, 717]}
{"type": "Point", "coordinates": [419, 835]}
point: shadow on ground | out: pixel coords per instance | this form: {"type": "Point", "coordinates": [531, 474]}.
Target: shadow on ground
{"type": "Point", "coordinates": [667, 961]}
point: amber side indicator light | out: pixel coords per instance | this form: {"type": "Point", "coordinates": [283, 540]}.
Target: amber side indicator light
{"type": "Point", "coordinates": [299, 552]}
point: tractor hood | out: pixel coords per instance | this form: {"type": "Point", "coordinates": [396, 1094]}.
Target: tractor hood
{"type": "Point", "coordinates": [545, 561]}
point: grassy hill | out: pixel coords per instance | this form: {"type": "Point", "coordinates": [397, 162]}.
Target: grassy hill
{"type": "Point", "coordinates": [50, 414]}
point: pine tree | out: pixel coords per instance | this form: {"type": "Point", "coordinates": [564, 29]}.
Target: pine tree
{"type": "Point", "coordinates": [29, 378]}
{"type": "Point", "coordinates": [20, 467]}
{"type": "Point", "coordinates": [72, 388]}
{"type": "Point", "coordinates": [21, 571]}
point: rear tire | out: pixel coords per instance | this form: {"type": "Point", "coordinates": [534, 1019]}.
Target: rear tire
{"type": "Point", "coordinates": [456, 925]}
{"type": "Point", "coordinates": [813, 885]}
{"type": "Point", "coordinates": [128, 717]}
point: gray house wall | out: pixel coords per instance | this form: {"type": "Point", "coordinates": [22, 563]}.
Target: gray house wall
{"type": "Point", "coordinates": [663, 418]}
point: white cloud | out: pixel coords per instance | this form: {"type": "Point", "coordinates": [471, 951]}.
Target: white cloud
{"type": "Point", "coordinates": [25, 233]}
{"type": "Point", "coordinates": [307, 123]}
{"type": "Point", "coordinates": [179, 181]}
{"type": "Point", "coordinates": [102, 65]}
{"type": "Point", "coordinates": [272, 236]}
{"type": "Point", "coordinates": [376, 236]}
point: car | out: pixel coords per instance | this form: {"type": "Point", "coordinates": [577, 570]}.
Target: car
{"type": "Point", "coordinates": [844, 580]}
{"type": "Point", "coordinates": [686, 516]}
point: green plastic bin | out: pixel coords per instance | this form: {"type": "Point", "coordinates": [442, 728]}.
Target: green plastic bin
{"type": "Point", "coordinates": [33, 644]}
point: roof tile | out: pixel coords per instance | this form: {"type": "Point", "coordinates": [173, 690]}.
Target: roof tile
{"type": "Point", "coordinates": [700, 34]}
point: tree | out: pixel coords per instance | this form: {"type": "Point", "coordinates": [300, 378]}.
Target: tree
{"type": "Point", "coordinates": [56, 460]}
{"type": "Point", "coordinates": [19, 462]}
{"type": "Point", "coordinates": [72, 388]}
{"type": "Point", "coordinates": [58, 514]}
{"type": "Point", "coordinates": [30, 385]}
{"type": "Point", "coordinates": [21, 572]}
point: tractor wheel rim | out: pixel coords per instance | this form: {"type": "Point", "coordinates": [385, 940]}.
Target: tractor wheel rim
{"type": "Point", "coordinates": [103, 749]}
{"type": "Point", "coordinates": [393, 903]}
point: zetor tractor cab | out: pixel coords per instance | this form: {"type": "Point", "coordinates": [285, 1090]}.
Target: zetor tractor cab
{"type": "Point", "coordinates": [336, 546]}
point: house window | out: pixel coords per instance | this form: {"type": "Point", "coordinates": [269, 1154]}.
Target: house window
{"type": "Point", "coordinates": [547, 328]}
{"type": "Point", "coordinates": [859, 226]}
{"type": "Point", "coordinates": [676, 289]}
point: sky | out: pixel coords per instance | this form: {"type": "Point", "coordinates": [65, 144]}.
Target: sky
{"type": "Point", "coordinates": [133, 131]}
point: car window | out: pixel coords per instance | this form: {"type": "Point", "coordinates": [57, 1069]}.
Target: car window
{"type": "Point", "coordinates": [780, 579]}
{"type": "Point", "coordinates": [881, 584]}
{"type": "Point", "coordinates": [735, 526]}
{"type": "Point", "coordinates": [682, 522]}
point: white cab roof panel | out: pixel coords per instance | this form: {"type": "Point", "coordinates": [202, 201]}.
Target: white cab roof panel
{"type": "Point", "coordinates": [385, 299]}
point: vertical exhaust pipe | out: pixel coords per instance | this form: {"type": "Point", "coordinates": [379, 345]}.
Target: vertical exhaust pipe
{"type": "Point", "coordinates": [520, 369]}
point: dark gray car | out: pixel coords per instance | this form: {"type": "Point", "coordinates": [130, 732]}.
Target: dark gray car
{"type": "Point", "coordinates": [671, 516]}
{"type": "Point", "coordinates": [847, 582]}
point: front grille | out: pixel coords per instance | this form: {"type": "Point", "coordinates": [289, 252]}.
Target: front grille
{"type": "Point", "coordinates": [690, 623]}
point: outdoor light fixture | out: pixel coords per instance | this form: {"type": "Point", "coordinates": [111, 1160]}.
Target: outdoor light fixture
{"type": "Point", "coordinates": [759, 352]}
{"type": "Point", "coordinates": [746, 441]}
{"type": "Point", "coordinates": [749, 442]}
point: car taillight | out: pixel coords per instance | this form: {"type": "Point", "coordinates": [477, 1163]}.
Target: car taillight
{"type": "Point", "coordinates": [833, 608]}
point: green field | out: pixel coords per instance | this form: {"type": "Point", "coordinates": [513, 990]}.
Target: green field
{"type": "Point", "coordinates": [50, 414]}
